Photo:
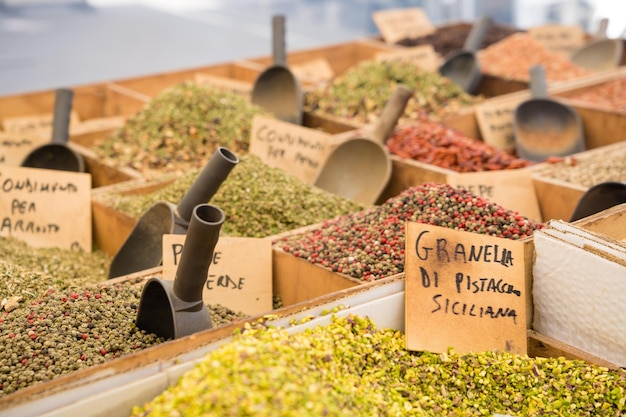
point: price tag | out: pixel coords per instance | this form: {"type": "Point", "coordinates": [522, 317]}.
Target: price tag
{"type": "Point", "coordinates": [297, 150]}
{"type": "Point", "coordinates": [40, 124]}
{"type": "Point", "coordinates": [240, 274]}
{"type": "Point", "coordinates": [397, 24]}
{"type": "Point", "coordinates": [424, 56]}
{"type": "Point", "coordinates": [46, 208]}
{"type": "Point", "coordinates": [561, 39]}
{"type": "Point", "coordinates": [495, 121]}
{"type": "Point", "coordinates": [510, 188]}
{"type": "Point", "coordinates": [14, 147]}
{"type": "Point", "coordinates": [464, 290]}
{"type": "Point", "coordinates": [225, 84]}
{"type": "Point", "coordinates": [317, 71]}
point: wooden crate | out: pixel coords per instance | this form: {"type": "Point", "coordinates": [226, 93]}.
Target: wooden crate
{"type": "Point", "coordinates": [340, 56]}
{"type": "Point", "coordinates": [152, 85]}
{"type": "Point", "coordinates": [557, 198]}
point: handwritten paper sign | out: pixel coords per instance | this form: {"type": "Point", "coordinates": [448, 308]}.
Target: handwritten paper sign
{"type": "Point", "coordinates": [46, 208]}
{"type": "Point", "coordinates": [34, 124]}
{"type": "Point", "coordinates": [297, 150]}
{"type": "Point", "coordinates": [561, 39]}
{"type": "Point", "coordinates": [240, 274]}
{"type": "Point", "coordinates": [317, 71]}
{"type": "Point", "coordinates": [225, 84]}
{"type": "Point", "coordinates": [495, 121]}
{"type": "Point", "coordinates": [397, 24]}
{"type": "Point", "coordinates": [511, 188]}
{"type": "Point", "coordinates": [15, 146]}
{"type": "Point", "coordinates": [463, 290]}
{"type": "Point", "coordinates": [424, 56]}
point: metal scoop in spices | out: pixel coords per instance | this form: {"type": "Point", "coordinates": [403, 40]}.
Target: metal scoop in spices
{"type": "Point", "coordinates": [143, 247]}
{"type": "Point", "coordinates": [173, 309]}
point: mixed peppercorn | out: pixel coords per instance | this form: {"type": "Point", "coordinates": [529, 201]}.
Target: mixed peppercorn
{"type": "Point", "coordinates": [369, 244]}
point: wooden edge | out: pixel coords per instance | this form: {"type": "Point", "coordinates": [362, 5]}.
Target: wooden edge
{"type": "Point", "coordinates": [171, 349]}
{"type": "Point", "coordinates": [543, 346]}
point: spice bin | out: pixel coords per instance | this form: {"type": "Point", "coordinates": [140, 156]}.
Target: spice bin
{"type": "Point", "coordinates": [97, 110]}
{"type": "Point", "coordinates": [112, 389]}
{"type": "Point", "coordinates": [560, 185]}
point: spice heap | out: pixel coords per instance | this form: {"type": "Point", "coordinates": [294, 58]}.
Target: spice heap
{"type": "Point", "coordinates": [62, 329]}
{"type": "Point", "coordinates": [351, 368]}
{"type": "Point", "coordinates": [369, 245]}
{"type": "Point", "coordinates": [514, 56]}
{"type": "Point", "coordinates": [67, 267]}
{"type": "Point", "coordinates": [599, 165]}
{"type": "Point", "coordinates": [361, 93]}
{"type": "Point", "coordinates": [435, 144]}
{"type": "Point", "coordinates": [448, 39]}
{"type": "Point", "coordinates": [610, 96]}
{"type": "Point", "coordinates": [180, 129]}
{"type": "Point", "coordinates": [258, 200]}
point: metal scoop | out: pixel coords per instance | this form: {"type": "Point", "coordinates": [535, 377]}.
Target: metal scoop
{"type": "Point", "coordinates": [143, 248]}
{"type": "Point", "coordinates": [173, 309]}
{"type": "Point", "coordinates": [600, 197]}
{"type": "Point", "coordinates": [57, 155]}
{"type": "Point", "coordinates": [277, 89]}
{"type": "Point", "coordinates": [359, 169]}
{"type": "Point", "coordinates": [544, 127]}
{"type": "Point", "coordinates": [463, 67]}
{"type": "Point", "coordinates": [600, 54]}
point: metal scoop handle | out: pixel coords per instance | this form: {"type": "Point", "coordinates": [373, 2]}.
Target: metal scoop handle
{"type": "Point", "coordinates": [393, 110]}
{"type": "Point", "coordinates": [477, 34]}
{"type": "Point", "coordinates": [205, 185]}
{"type": "Point", "coordinates": [278, 40]}
{"type": "Point", "coordinates": [538, 86]}
{"type": "Point", "coordinates": [62, 109]}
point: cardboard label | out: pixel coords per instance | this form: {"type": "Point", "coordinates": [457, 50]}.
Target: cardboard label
{"type": "Point", "coordinates": [225, 84]}
{"type": "Point", "coordinates": [511, 188]}
{"type": "Point", "coordinates": [40, 124]}
{"type": "Point", "coordinates": [561, 39]}
{"type": "Point", "coordinates": [298, 150]}
{"type": "Point", "coordinates": [240, 274]}
{"type": "Point", "coordinates": [317, 71]}
{"type": "Point", "coordinates": [495, 121]}
{"type": "Point", "coordinates": [463, 290]}
{"type": "Point", "coordinates": [46, 208]}
{"type": "Point", "coordinates": [397, 24]}
{"type": "Point", "coordinates": [424, 56]}
{"type": "Point", "coordinates": [14, 147]}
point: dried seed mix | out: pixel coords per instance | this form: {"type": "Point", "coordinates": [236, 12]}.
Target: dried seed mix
{"type": "Point", "coordinates": [610, 96]}
{"type": "Point", "coordinates": [369, 245]}
{"type": "Point", "coordinates": [57, 330]}
{"type": "Point", "coordinates": [599, 165]}
{"type": "Point", "coordinates": [351, 368]}
{"type": "Point", "coordinates": [361, 92]}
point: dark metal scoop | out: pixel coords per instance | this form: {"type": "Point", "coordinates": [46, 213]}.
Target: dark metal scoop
{"type": "Point", "coordinates": [57, 155]}
{"type": "Point", "coordinates": [173, 309]}
{"type": "Point", "coordinates": [600, 197]}
{"type": "Point", "coordinates": [544, 127]}
{"type": "Point", "coordinates": [277, 89]}
{"type": "Point", "coordinates": [463, 67]}
{"type": "Point", "coordinates": [143, 248]}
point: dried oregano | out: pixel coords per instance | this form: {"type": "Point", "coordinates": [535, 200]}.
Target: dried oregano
{"type": "Point", "coordinates": [258, 200]}
{"type": "Point", "coordinates": [362, 91]}
{"type": "Point", "coordinates": [180, 129]}
{"type": "Point", "coordinates": [351, 368]}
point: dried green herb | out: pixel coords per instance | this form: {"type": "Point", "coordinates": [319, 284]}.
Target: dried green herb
{"type": "Point", "coordinates": [361, 92]}
{"type": "Point", "coordinates": [180, 129]}
{"type": "Point", "coordinates": [257, 199]}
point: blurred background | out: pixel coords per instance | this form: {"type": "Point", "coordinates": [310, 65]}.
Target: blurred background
{"type": "Point", "coordinates": [47, 44]}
